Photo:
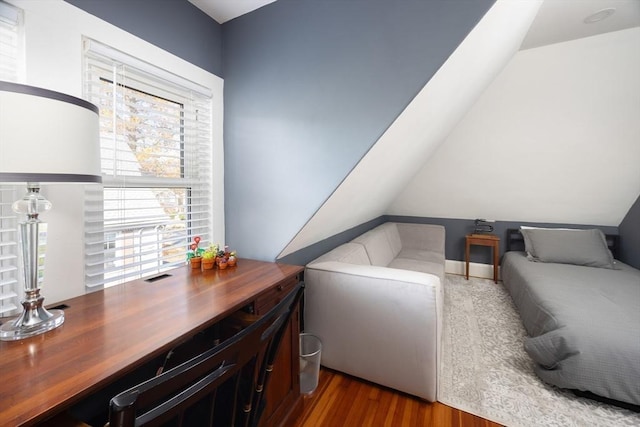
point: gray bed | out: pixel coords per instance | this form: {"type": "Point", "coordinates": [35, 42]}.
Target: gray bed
{"type": "Point", "coordinates": [583, 321]}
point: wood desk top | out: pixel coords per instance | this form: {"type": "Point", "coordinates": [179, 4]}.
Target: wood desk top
{"type": "Point", "coordinates": [111, 332]}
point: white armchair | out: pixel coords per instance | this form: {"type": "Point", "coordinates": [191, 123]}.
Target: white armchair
{"type": "Point", "coordinates": [378, 322]}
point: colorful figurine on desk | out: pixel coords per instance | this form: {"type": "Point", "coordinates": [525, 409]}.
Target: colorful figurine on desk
{"type": "Point", "coordinates": [232, 260]}
{"type": "Point", "coordinates": [209, 257]}
{"type": "Point", "coordinates": [214, 256]}
{"type": "Point", "coordinates": [226, 258]}
{"type": "Point", "coordinates": [194, 255]}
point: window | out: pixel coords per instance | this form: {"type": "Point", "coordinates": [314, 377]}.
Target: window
{"type": "Point", "coordinates": [155, 131]}
{"type": "Point", "coordinates": [11, 52]}
{"type": "Point", "coordinates": [11, 42]}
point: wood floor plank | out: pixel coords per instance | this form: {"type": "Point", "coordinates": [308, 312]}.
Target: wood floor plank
{"type": "Point", "coordinates": [426, 415]}
{"type": "Point", "coordinates": [444, 416]}
{"type": "Point", "coordinates": [342, 400]}
{"type": "Point", "coordinates": [393, 407]}
{"type": "Point", "coordinates": [370, 414]}
{"type": "Point", "coordinates": [359, 404]}
{"type": "Point", "coordinates": [384, 404]}
{"type": "Point", "coordinates": [320, 405]}
{"type": "Point", "coordinates": [341, 412]}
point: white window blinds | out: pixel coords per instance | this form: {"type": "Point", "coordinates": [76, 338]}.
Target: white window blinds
{"type": "Point", "coordinates": [11, 49]}
{"type": "Point", "coordinates": [10, 42]}
{"type": "Point", "coordinates": [156, 143]}
{"type": "Point", "coordinates": [8, 252]}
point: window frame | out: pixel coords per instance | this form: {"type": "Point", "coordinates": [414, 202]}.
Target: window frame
{"type": "Point", "coordinates": [93, 49]}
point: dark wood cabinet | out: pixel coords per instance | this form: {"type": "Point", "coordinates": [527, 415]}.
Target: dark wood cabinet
{"type": "Point", "coordinates": [283, 391]}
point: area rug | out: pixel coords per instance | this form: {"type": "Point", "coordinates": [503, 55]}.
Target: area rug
{"type": "Point", "coordinates": [485, 370]}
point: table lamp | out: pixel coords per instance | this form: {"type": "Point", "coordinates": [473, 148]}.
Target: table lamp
{"type": "Point", "coordinates": [45, 137]}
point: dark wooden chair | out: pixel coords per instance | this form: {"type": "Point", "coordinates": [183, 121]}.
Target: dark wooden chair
{"type": "Point", "coordinates": [221, 386]}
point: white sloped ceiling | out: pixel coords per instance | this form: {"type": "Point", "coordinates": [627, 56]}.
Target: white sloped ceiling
{"type": "Point", "coordinates": [555, 138]}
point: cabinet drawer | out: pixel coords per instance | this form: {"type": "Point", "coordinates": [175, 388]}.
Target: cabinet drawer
{"type": "Point", "coordinates": [274, 295]}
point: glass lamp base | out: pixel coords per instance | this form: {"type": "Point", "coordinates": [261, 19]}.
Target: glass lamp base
{"type": "Point", "coordinates": [35, 319]}
{"type": "Point", "coordinates": [32, 322]}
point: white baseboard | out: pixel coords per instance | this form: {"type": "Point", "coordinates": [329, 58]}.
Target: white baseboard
{"type": "Point", "coordinates": [484, 271]}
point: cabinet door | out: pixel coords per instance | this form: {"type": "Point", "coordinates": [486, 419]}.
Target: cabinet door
{"type": "Point", "coordinates": [283, 391]}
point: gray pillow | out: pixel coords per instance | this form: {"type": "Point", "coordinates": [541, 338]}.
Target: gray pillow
{"type": "Point", "coordinates": [564, 246]}
{"type": "Point", "coordinates": [528, 246]}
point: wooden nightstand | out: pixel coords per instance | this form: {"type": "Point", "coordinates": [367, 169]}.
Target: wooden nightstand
{"type": "Point", "coordinates": [483, 240]}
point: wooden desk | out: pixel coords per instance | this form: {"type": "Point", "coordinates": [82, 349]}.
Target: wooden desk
{"type": "Point", "coordinates": [109, 333]}
{"type": "Point", "coordinates": [483, 240]}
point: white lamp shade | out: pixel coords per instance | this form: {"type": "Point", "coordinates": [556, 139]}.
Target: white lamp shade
{"type": "Point", "coordinates": [47, 136]}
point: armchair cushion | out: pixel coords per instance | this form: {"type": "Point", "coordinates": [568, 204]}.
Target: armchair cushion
{"type": "Point", "coordinates": [431, 267]}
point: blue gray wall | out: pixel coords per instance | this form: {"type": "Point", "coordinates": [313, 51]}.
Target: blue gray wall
{"type": "Point", "coordinates": [176, 26]}
{"type": "Point", "coordinates": [309, 87]}
{"type": "Point", "coordinates": [630, 236]}
{"type": "Point", "coordinates": [456, 230]}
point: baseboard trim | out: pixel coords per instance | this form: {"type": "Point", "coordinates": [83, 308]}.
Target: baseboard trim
{"type": "Point", "coordinates": [484, 271]}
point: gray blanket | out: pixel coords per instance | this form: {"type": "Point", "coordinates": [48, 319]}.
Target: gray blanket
{"type": "Point", "coordinates": [583, 324]}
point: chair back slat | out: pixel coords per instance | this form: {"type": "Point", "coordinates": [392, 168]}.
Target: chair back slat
{"type": "Point", "coordinates": [238, 365]}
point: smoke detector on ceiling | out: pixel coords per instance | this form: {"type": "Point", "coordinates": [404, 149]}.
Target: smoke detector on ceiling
{"type": "Point", "coordinates": [599, 15]}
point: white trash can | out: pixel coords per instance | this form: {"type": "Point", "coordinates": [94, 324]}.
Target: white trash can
{"type": "Point", "coordinates": [310, 353]}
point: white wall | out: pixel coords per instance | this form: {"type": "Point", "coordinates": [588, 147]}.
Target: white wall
{"type": "Point", "coordinates": [555, 138]}
{"type": "Point", "coordinates": [53, 33]}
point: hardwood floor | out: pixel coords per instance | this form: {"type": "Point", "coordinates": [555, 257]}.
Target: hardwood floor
{"type": "Point", "coordinates": [342, 400]}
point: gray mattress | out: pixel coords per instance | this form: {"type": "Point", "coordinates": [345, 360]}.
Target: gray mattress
{"type": "Point", "coordinates": [583, 324]}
